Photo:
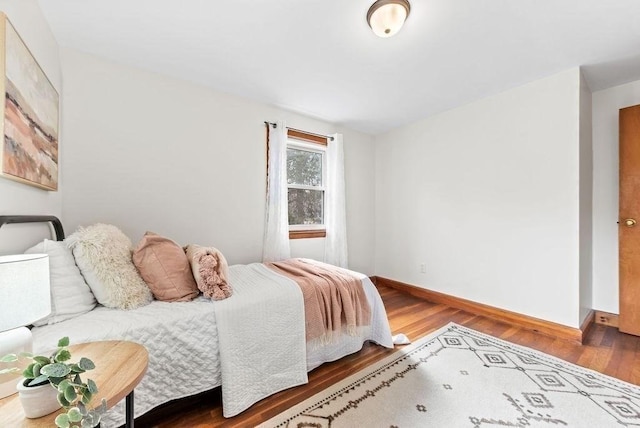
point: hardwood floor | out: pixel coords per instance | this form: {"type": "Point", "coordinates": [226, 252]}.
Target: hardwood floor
{"type": "Point", "coordinates": [605, 350]}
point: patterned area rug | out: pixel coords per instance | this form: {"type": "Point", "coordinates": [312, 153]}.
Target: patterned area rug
{"type": "Point", "coordinates": [457, 377]}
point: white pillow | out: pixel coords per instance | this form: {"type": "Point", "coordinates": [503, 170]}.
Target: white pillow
{"type": "Point", "coordinates": [103, 254]}
{"type": "Point", "coordinates": [70, 295]}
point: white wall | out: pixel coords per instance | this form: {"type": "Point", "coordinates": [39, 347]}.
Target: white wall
{"type": "Point", "coordinates": [148, 152]}
{"type": "Point", "coordinates": [18, 198]}
{"type": "Point", "coordinates": [606, 104]}
{"type": "Point", "coordinates": [487, 197]}
{"type": "Point", "coordinates": [586, 201]}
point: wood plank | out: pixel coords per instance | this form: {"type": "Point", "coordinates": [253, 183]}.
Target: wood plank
{"type": "Point", "coordinates": [308, 137]}
{"type": "Point", "coordinates": [306, 234]}
{"type": "Point", "coordinates": [606, 318]}
{"type": "Point", "coordinates": [587, 324]}
{"type": "Point", "coordinates": [622, 359]}
{"type": "Point", "coordinates": [525, 321]}
{"type": "Point", "coordinates": [604, 350]}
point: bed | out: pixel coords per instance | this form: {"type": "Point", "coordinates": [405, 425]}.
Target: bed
{"type": "Point", "coordinates": [203, 344]}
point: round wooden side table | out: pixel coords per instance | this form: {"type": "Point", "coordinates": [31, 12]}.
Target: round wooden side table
{"type": "Point", "coordinates": [120, 366]}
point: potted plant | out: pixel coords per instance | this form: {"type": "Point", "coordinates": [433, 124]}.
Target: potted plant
{"type": "Point", "coordinates": [70, 391]}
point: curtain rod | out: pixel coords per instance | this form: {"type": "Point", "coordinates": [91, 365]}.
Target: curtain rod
{"type": "Point", "coordinates": [275, 125]}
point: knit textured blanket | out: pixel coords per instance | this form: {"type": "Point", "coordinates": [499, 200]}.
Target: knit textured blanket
{"type": "Point", "coordinates": [332, 298]}
{"type": "Point", "coordinates": [210, 270]}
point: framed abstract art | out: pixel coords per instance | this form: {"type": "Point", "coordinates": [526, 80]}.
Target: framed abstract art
{"type": "Point", "coordinates": [30, 112]}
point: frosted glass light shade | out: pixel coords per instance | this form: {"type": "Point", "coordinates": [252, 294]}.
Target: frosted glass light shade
{"type": "Point", "coordinates": [386, 17]}
{"type": "Point", "coordinates": [25, 294]}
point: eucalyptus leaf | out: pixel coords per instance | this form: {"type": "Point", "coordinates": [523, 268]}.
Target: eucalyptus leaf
{"type": "Point", "coordinates": [74, 414]}
{"type": "Point", "coordinates": [28, 372]}
{"type": "Point", "coordinates": [62, 355]}
{"type": "Point", "coordinates": [86, 396]}
{"type": "Point", "coordinates": [36, 369]}
{"type": "Point", "coordinates": [76, 368]}
{"type": "Point", "coordinates": [56, 380]}
{"type": "Point", "coordinates": [39, 380]}
{"type": "Point", "coordinates": [55, 370]}
{"type": "Point", "coordinates": [43, 361]}
{"type": "Point", "coordinates": [62, 421]}
{"type": "Point", "coordinates": [70, 393]}
{"type": "Point", "coordinates": [63, 385]}
{"type": "Point", "coordinates": [10, 358]}
{"type": "Point", "coordinates": [93, 388]}
{"type": "Point", "coordinates": [63, 342]}
{"type": "Point", "coordinates": [63, 401]}
{"type": "Point", "coordinates": [86, 364]}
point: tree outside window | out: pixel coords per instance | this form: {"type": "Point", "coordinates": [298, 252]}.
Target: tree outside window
{"type": "Point", "coordinates": [305, 181]}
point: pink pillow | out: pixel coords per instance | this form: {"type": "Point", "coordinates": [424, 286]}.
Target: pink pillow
{"type": "Point", "coordinates": [165, 268]}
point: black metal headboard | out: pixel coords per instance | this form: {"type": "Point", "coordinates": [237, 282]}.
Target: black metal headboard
{"type": "Point", "coordinates": [57, 226]}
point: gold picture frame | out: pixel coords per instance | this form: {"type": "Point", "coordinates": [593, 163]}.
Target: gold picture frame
{"type": "Point", "coordinates": [30, 114]}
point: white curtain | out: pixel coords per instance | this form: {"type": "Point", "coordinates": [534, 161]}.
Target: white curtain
{"type": "Point", "coordinates": [276, 228]}
{"type": "Point", "coordinates": [335, 214]}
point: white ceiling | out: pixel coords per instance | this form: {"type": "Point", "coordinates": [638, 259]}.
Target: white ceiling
{"type": "Point", "coordinates": [319, 57]}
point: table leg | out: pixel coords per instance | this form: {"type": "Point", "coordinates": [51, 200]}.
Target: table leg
{"type": "Point", "coordinates": [129, 410]}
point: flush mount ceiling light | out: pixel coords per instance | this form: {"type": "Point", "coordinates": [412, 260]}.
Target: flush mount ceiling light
{"type": "Point", "coordinates": [386, 17]}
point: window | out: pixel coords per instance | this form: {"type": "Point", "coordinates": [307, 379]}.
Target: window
{"type": "Point", "coordinates": [306, 178]}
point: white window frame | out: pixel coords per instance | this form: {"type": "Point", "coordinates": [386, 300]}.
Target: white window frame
{"type": "Point", "coordinates": [322, 150]}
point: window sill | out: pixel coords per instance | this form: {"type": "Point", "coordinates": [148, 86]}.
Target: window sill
{"type": "Point", "coordinates": [305, 234]}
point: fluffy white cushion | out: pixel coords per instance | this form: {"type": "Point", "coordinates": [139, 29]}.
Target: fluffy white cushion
{"type": "Point", "coordinates": [70, 295]}
{"type": "Point", "coordinates": [103, 254]}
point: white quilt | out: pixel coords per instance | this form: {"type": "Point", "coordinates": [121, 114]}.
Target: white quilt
{"type": "Point", "coordinates": [261, 335]}
{"type": "Point", "coordinates": [181, 339]}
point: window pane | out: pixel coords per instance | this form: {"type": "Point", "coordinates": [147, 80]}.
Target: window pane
{"type": "Point", "coordinates": [306, 206]}
{"type": "Point", "coordinates": [304, 167]}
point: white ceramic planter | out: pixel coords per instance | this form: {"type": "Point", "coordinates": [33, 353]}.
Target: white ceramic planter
{"type": "Point", "coordinates": [38, 401]}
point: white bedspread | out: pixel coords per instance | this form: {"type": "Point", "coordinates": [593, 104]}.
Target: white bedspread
{"type": "Point", "coordinates": [252, 343]}
{"type": "Point", "coordinates": [261, 335]}
{"type": "Point", "coordinates": [181, 339]}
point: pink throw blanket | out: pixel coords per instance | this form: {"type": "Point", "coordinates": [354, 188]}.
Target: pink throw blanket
{"type": "Point", "coordinates": [332, 298]}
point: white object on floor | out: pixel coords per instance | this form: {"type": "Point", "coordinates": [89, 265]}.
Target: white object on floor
{"type": "Point", "coordinates": [400, 339]}
{"type": "Point", "coordinates": [423, 385]}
